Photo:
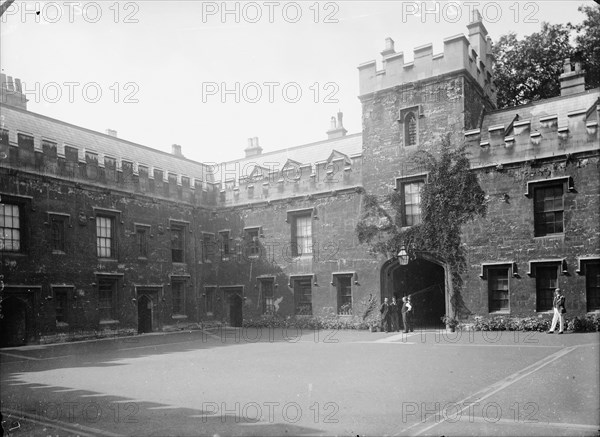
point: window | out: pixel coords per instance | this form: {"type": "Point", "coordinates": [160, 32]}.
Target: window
{"type": "Point", "coordinates": [548, 210]}
{"type": "Point", "coordinates": [10, 228]}
{"type": "Point", "coordinates": [302, 235]}
{"type": "Point", "coordinates": [253, 248]}
{"type": "Point", "coordinates": [107, 292]}
{"type": "Point", "coordinates": [4, 137]}
{"type": "Point", "coordinates": [266, 293]}
{"type": "Point", "coordinates": [411, 201]}
{"type": "Point", "coordinates": [177, 243]}
{"type": "Point", "coordinates": [141, 234]}
{"type": "Point", "coordinates": [61, 304]}
{"type": "Point", "coordinates": [592, 285]}
{"type": "Point", "coordinates": [209, 295]}
{"type": "Point", "coordinates": [303, 296]}
{"type": "Point", "coordinates": [410, 129]}
{"type": "Point", "coordinates": [110, 168]}
{"type": "Point", "coordinates": [207, 247]}
{"type": "Point", "coordinates": [498, 289]}
{"type": "Point", "coordinates": [224, 235]}
{"type": "Point", "coordinates": [178, 291]}
{"type": "Point", "coordinates": [344, 293]}
{"type": "Point", "coordinates": [57, 225]}
{"type": "Point", "coordinates": [105, 236]}
{"type": "Point", "coordinates": [545, 284]}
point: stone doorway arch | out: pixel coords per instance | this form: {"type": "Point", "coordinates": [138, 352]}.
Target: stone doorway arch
{"type": "Point", "coordinates": [427, 279]}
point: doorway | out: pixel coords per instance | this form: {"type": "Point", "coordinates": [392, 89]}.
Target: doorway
{"type": "Point", "coordinates": [234, 306]}
{"type": "Point", "coordinates": [144, 314]}
{"type": "Point", "coordinates": [13, 325]}
{"type": "Point", "coordinates": [424, 279]}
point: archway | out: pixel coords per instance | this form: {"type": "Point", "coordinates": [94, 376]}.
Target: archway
{"type": "Point", "coordinates": [144, 314]}
{"type": "Point", "coordinates": [13, 325]}
{"type": "Point", "coordinates": [425, 280]}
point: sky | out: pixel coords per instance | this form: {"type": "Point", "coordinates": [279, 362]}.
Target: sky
{"type": "Point", "coordinates": [210, 75]}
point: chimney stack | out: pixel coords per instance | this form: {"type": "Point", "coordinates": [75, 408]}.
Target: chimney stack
{"type": "Point", "coordinates": [253, 148]}
{"type": "Point", "coordinates": [111, 132]}
{"type": "Point", "coordinates": [11, 92]}
{"type": "Point", "coordinates": [337, 129]}
{"type": "Point", "coordinates": [389, 47]}
{"type": "Point", "coordinates": [572, 82]}
{"type": "Point", "coordinates": [176, 150]}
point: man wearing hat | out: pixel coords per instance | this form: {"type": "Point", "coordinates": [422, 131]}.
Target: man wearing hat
{"type": "Point", "coordinates": [559, 312]}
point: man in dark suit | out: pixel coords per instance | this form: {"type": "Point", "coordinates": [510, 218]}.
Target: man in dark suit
{"type": "Point", "coordinates": [385, 315]}
{"type": "Point", "coordinates": [558, 305]}
{"type": "Point", "coordinates": [395, 315]}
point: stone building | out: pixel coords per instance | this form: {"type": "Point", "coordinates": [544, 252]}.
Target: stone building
{"type": "Point", "coordinates": [104, 236]}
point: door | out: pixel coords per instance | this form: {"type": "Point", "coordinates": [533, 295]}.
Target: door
{"type": "Point", "coordinates": [235, 302]}
{"type": "Point", "coordinates": [144, 314]}
{"type": "Point", "coordinates": [13, 325]}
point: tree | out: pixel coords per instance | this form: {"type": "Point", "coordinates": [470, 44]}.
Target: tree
{"type": "Point", "coordinates": [529, 69]}
{"type": "Point", "coordinates": [587, 41]}
{"type": "Point", "coordinates": [450, 198]}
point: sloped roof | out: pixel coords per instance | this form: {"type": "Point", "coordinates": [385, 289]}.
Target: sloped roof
{"type": "Point", "coordinates": [559, 106]}
{"type": "Point", "coordinates": [68, 134]}
{"type": "Point", "coordinates": [349, 145]}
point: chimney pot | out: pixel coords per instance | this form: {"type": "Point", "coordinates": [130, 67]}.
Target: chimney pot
{"type": "Point", "coordinates": [389, 47]}
{"type": "Point", "coordinates": [176, 150]}
{"type": "Point", "coordinates": [111, 132]}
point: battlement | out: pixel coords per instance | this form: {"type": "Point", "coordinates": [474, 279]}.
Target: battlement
{"type": "Point", "coordinates": [472, 54]}
{"type": "Point", "coordinates": [554, 127]}
{"type": "Point", "coordinates": [37, 144]}
{"type": "Point", "coordinates": [293, 179]}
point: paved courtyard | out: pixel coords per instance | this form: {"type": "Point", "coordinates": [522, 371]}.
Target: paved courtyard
{"type": "Point", "coordinates": [277, 382]}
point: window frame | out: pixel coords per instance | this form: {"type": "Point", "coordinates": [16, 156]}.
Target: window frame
{"type": "Point", "coordinates": [210, 293]}
{"type": "Point", "coordinates": [112, 238]}
{"type": "Point", "coordinates": [62, 220]}
{"type": "Point", "coordinates": [292, 217]}
{"type": "Point", "coordinates": [404, 113]}
{"type": "Point", "coordinates": [142, 246]}
{"type": "Point", "coordinates": [19, 229]}
{"type": "Point", "coordinates": [267, 299]}
{"type": "Point", "coordinates": [300, 298]}
{"type": "Point", "coordinates": [341, 297]}
{"type": "Point", "coordinates": [178, 228]}
{"type": "Point", "coordinates": [112, 309]}
{"type": "Point", "coordinates": [540, 222]}
{"type": "Point", "coordinates": [253, 246]}
{"type": "Point", "coordinates": [207, 241]}
{"type": "Point", "coordinates": [180, 308]}
{"type": "Point", "coordinates": [68, 291]}
{"type": "Point", "coordinates": [549, 291]}
{"type": "Point", "coordinates": [225, 245]}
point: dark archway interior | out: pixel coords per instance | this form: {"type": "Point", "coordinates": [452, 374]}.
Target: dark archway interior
{"type": "Point", "coordinates": [424, 281]}
{"type": "Point", "coordinates": [144, 314]}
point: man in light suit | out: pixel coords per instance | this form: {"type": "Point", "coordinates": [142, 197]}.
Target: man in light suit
{"type": "Point", "coordinates": [559, 312]}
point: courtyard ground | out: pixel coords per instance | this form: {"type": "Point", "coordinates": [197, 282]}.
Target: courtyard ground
{"type": "Point", "coordinates": [278, 382]}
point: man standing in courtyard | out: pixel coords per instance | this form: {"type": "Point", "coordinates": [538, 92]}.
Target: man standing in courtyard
{"type": "Point", "coordinates": [385, 315]}
{"type": "Point", "coordinates": [395, 315]}
{"type": "Point", "coordinates": [410, 313]}
{"type": "Point", "coordinates": [559, 312]}
{"type": "Point", "coordinates": [405, 316]}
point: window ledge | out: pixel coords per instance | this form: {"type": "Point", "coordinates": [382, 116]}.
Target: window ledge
{"type": "Point", "coordinates": [109, 322]}
{"type": "Point", "coordinates": [58, 252]}
{"type": "Point", "coordinates": [545, 312]}
{"type": "Point", "coordinates": [559, 236]}
{"type": "Point", "coordinates": [500, 312]}
{"type": "Point", "coordinates": [180, 264]}
{"type": "Point", "coordinates": [179, 317]}
{"type": "Point", "coordinates": [62, 325]}
{"type": "Point", "coordinates": [209, 313]}
{"type": "Point", "coordinates": [113, 260]}
{"type": "Point", "coordinates": [142, 258]}
{"type": "Point", "coordinates": [10, 253]}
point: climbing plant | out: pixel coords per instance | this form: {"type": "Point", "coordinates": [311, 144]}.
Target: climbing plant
{"type": "Point", "coordinates": [450, 198]}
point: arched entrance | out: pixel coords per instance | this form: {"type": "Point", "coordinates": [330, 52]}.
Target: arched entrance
{"type": "Point", "coordinates": [13, 325]}
{"type": "Point", "coordinates": [425, 280]}
{"type": "Point", "coordinates": [234, 302]}
{"type": "Point", "coordinates": [144, 314]}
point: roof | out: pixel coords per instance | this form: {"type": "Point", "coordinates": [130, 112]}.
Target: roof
{"type": "Point", "coordinates": [41, 126]}
{"type": "Point", "coordinates": [534, 111]}
{"type": "Point", "coordinates": [349, 145]}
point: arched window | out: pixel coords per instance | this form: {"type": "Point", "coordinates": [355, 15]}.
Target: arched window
{"type": "Point", "coordinates": [410, 129]}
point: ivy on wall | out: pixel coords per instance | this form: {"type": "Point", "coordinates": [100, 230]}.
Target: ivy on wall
{"type": "Point", "coordinates": [450, 198]}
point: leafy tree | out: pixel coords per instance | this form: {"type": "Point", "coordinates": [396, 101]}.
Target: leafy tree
{"type": "Point", "coordinates": [587, 41]}
{"type": "Point", "coordinates": [529, 69]}
{"type": "Point", "coordinates": [450, 198]}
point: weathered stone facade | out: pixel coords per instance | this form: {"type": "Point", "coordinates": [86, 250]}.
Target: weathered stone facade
{"type": "Point", "coordinates": [103, 236]}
